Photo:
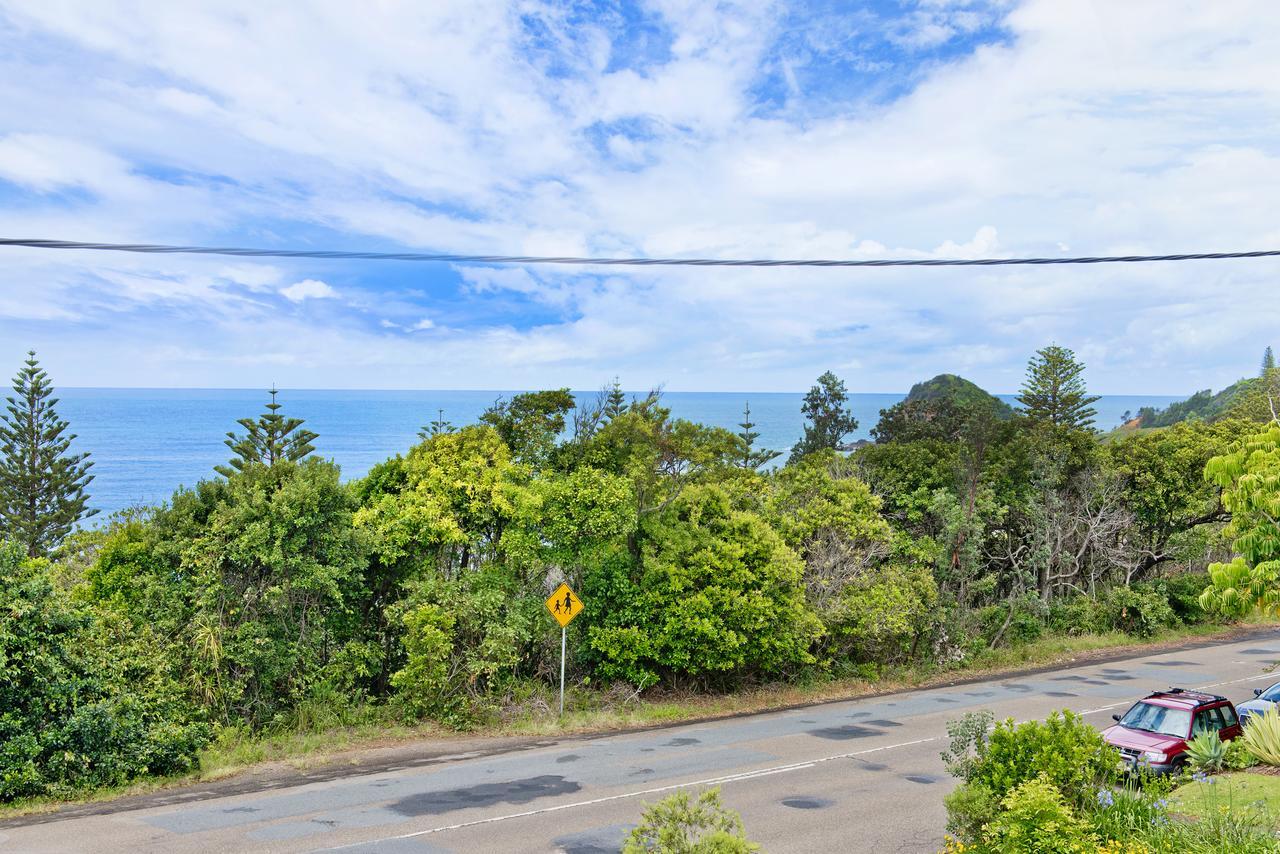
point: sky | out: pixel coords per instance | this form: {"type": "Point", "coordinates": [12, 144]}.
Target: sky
{"type": "Point", "coordinates": [938, 128]}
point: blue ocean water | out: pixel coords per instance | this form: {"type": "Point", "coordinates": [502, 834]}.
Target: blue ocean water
{"type": "Point", "coordinates": [147, 442]}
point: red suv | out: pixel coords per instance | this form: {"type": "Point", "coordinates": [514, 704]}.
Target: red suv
{"type": "Point", "coordinates": [1155, 731]}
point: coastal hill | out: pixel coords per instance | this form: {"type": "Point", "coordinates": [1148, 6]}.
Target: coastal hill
{"type": "Point", "coordinates": [959, 391]}
{"type": "Point", "coordinates": [939, 408]}
{"type": "Point", "coordinates": [1246, 398]}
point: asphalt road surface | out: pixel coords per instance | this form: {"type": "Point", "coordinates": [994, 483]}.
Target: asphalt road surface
{"type": "Point", "coordinates": [861, 775]}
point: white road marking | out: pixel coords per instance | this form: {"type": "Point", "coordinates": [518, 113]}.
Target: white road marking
{"type": "Point", "coordinates": [715, 781]}
{"type": "Point", "coordinates": [710, 781]}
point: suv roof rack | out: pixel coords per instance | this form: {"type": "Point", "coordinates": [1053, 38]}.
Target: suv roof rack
{"type": "Point", "coordinates": [1201, 697]}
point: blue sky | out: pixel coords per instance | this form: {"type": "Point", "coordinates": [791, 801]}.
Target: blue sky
{"type": "Point", "coordinates": [771, 129]}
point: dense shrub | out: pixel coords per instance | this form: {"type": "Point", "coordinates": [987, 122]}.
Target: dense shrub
{"type": "Point", "coordinates": [717, 595]}
{"type": "Point", "coordinates": [85, 699]}
{"type": "Point", "coordinates": [1136, 612]}
{"type": "Point", "coordinates": [1078, 615]}
{"type": "Point", "coordinates": [1035, 818]}
{"type": "Point", "coordinates": [1183, 594]}
{"type": "Point", "coordinates": [679, 824]}
{"type": "Point", "coordinates": [463, 637]}
{"type": "Point", "coordinates": [1063, 752]}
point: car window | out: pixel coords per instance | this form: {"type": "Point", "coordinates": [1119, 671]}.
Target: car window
{"type": "Point", "coordinates": [1228, 715]}
{"type": "Point", "coordinates": [1272, 694]}
{"type": "Point", "coordinates": [1159, 719]}
{"type": "Point", "coordinates": [1203, 724]}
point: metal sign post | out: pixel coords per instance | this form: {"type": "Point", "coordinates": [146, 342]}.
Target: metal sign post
{"type": "Point", "coordinates": [564, 605]}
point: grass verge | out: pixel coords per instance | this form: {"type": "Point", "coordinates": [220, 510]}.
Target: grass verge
{"type": "Point", "coordinates": [1241, 793]}
{"type": "Point", "coordinates": [323, 735]}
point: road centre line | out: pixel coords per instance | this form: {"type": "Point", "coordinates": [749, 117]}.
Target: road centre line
{"type": "Point", "coordinates": [711, 781]}
{"type": "Point", "coordinates": [714, 781]}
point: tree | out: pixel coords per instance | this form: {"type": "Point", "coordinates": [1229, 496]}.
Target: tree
{"type": "Point", "coordinates": [273, 558]}
{"type": "Point", "coordinates": [437, 427]}
{"type": "Point", "coordinates": [531, 422]}
{"type": "Point", "coordinates": [1268, 361]}
{"type": "Point", "coordinates": [717, 595]}
{"type": "Point", "coordinates": [829, 418]}
{"type": "Point", "coordinates": [615, 400]}
{"type": "Point", "coordinates": [1250, 481]}
{"type": "Point", "coordinates": [1054, 391]}
{"type": "Point", "coordinates": [86, 698]}
{"type": "Point", "coordinates": [751, 458]}
{"type": "Point", "coordinates": [42, 484]}
{"type": "Point", "coordinates": [270, 439]}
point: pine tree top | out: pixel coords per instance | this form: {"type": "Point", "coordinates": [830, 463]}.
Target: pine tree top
{"type": "Point", "coordinates": [1054, 391]}
{"type": "Point", "coordinates": [42, 483]}
{"type": "Point", "coordinates": [269, 439]}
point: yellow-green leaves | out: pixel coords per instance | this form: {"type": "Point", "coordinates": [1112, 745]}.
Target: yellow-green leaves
{"type": "Point", "coordinates": [1250, 481]}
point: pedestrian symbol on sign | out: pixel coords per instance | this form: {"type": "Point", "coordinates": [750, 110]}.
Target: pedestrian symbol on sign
{"type": "Point", "coordinates": [564, 605]}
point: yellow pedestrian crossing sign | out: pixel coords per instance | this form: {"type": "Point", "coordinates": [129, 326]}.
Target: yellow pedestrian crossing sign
{"type": "Point", "coordinates": [564, 605]}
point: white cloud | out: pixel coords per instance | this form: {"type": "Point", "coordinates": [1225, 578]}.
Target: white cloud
{"type": "Point", "coordinates": [1139, 126]}
{"type": "Point", "coordinates": [308, 289]}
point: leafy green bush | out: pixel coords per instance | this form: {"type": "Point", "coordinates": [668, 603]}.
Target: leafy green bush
{"type": "Point", "coordinates": [86, 698]}
{"type": "Point", "coordinates": [1019, 621]}
{"type": "Point", "coordinates": [1238, 756]}
{"type": "Point", "coordinates": [462, 637]}
{"type": "Point", "coordinates": [1078, 615]}
{"type": "Point", "coordinates": [1136, 612]}
{"type": "Point", "coordinates": [1262, 736]}
{"type": "Point", "coordinates": [1063, 749]}
{"type": "Point", "coordinates": [1183, 594]}
{"type": "Point", "coordinates": [1036, 819]}
{"type": "Point", "coordinates": [1207, 752]}
{"type": "Point", "coordinates": [680, 825]}
{"type": "Point", "coordinates": [718, 595]}
{"type": "Point", "coordinates": [970, 808]}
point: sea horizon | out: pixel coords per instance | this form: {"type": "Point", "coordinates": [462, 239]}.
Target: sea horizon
{"type": "Point", "coordinates": [146, 442]}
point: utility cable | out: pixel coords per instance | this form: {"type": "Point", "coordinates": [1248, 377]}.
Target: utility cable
{"type": "Point", "coordinates": [159, 249]}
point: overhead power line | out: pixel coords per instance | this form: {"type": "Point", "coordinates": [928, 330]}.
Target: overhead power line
{"type": "Point", "coordinates": [329, 254]}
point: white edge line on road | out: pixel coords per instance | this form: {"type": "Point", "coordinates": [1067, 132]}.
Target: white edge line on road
{"type": "Point", "coordinates": [714, 781]}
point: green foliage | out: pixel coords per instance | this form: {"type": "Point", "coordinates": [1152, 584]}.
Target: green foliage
{"type": "Point", "coordinates": [85, 700]}
{"type": "Point", "coordinates": [749, 456]}
{"type": "Point", "coordinates": [1054, 391]}
{"type": "Point", "coordinates": [828, 418]}
{"type": "Point", "coordinates": [1064, 749]}
{"type": "Point", "coordinates": [1035, 818]}
{"type": "Point", "coordinates": [1238, 756]}
{"type": "Point", "coordinates": [967, 749]}
{"type": "Point", "coordinates": [1250, 479]}
{"type": "Point", "coordinates": [1207, 752]}
{"type": "Point", "coordinates": [1163, 478]}
{"type": "Point", "coordinates": [462, 637]}
{"type": "Point", "coordinates": [971, 807]}
{"type": "Point", "coordinates": [679, 824]}
{"type": "Point", "coordinates": [718, 594]}
{"type": "Point", "coordinates": [1262, 736]}
{"type": "Point", "coordinates": [944, 408]}
{"type": "Point", "coordinates": [530, 423]}
{"type": "Point", "coordinates": [1135, 612]}
{"type": "Point", "coordinates": [1183, 593]}
{"type": "Point", "coordinates": [42, 484]}
{"type": "Point", "coordinates": [269, 439]}
{"type": "Point", "coordinates": [271, 567]}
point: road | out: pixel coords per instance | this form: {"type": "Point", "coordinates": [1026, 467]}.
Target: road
{"type": "Point", "coordinates": [860, 775]}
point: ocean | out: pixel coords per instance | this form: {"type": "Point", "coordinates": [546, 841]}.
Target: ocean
{"type": "Point", "coordinates": [145, 443]}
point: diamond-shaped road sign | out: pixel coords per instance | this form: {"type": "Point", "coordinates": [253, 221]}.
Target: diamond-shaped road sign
{"type": "Point", "coordinates": [564, 605]}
